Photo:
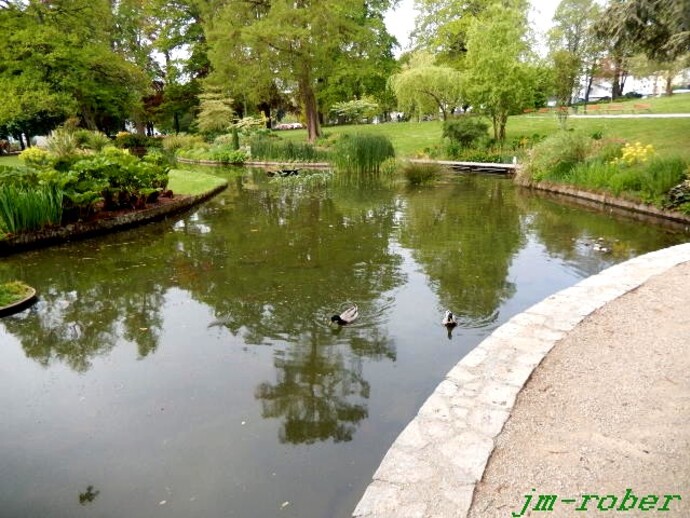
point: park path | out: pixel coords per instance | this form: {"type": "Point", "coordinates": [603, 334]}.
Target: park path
{"type": "Point", "coordinates": [585, 393]}
{"type": "Point", "coordinates": [608, 410]}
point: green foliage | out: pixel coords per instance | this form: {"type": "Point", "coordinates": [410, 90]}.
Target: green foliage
{"type": "Point", "coordinates": [356, 110]}
{"type": "Point", "coordinates": [120, 178]}
{"type": "Point", "coordinates": [29, 208]}
{"type": "Point", "coordinates": [36, 157]}
{"type": "Point", "coordinates": [557, 155]}
{"type": "Point", "coordinates": [270, 148]}
{"type": "Point", "coordinates": [58, 62]}
{"type": "Point", "coordinates": [96, 141]}
{"type": "Point", "coordinates": [500, 79]}
{"type": "Point", "coordinates": [126, 140]}
{"type": "Point", "coordinates": [11, 292]}
{"type": "Point", "coordinates": [215, 113]}
{"type": "Point", "coordinates": [361, 155]}
{"type": "Point", "coordinates": [425, 88]}
{"type": "Point", "coordinates": [173, 143]}
{"type": "Point", "coordinates": [465, 131]}
{"type": "Point", "coordinates": [305, 180]}
{"type": "Point", "coordinates": [421, 174]}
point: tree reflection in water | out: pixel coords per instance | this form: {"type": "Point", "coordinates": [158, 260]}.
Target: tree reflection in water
{"type": "Point", "coordinates": [465, 237]}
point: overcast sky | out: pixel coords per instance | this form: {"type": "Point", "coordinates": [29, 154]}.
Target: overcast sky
{"type": "Point", "coordinates": [400, 21]}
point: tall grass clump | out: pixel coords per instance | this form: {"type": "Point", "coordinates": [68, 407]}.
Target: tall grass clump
{"type": "Point", "coordinates": [271, 148]}
{"type": "Point", "coordinates": [361, 156]}
{"type": "Point", "coordinates": [421, 174]}
{"type": "Point", "coordinates": [557, 155]}
{"type": "Point", "coordinates": [662, 174]}
{"type": "Point", "coordinates": [23, 209]}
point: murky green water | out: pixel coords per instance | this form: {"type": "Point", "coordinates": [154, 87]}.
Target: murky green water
{"type": "Point", "coordinates": [187, 368]}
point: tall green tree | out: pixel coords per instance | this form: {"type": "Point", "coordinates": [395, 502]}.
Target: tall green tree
{"type": "Point", "coordinates": [500, 79]}
{"type": "Point", "coordinates": [56, 60]}
{"type": "Point", "coordinates": [442, 27]}
{"type": "Point", "coordinates": [573, 33]}
{"type": "Point", "coordinates": [659, 28]}
{"type": "Point", "coordinates": [291, 46]}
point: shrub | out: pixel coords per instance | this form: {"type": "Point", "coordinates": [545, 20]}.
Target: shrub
{"type": "Point", "coordinates": [465, 131]}
{"type": "Point", "coordinates": [131, 140]}
{"type": "Point", "coordinates": [97, 141]}
{"type": "Point", "coordinates": [172, 143]}
{"type": "Point", "coordinates": [36, 157]}
{"type": "Point", "coordinates": [122, 180]}
{"type": "Point", "coordinates": [557, 155]}
{"type": "Point", "coordinates": [421, 173]}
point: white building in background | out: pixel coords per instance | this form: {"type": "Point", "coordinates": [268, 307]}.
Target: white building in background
{"type": "Point", "coordinates": [650, 86]}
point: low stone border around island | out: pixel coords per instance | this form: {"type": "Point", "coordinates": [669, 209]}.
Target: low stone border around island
{"type": "Point", "coordinates": [256, 163]}
{"type": "Point", "coordinates": [605, 200]}
{"type": "Point", "coordinates": [433, 466]}
{"type": "Point", "coordinates": [81, 230]}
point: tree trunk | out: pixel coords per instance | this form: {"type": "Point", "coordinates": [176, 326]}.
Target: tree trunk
{"type": "Point", "coordinates": [310, 109]}
{"type": "Point", "coordinates": [669, 84]}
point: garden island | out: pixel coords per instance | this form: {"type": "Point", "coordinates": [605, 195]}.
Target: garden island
{"type": "Point", "coordinates": [190, 189]}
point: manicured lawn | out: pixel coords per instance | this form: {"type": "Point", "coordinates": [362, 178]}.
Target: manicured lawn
{"type": "Point", "coordinates": [668, 136]}
{"type": "Point", "coordinates": [11, 160]}
{"type": "Point", "coordinates": [193, 182]}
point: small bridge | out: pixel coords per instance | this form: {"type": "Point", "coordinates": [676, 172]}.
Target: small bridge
{"type": "Point", "coordinates": [473, 167]}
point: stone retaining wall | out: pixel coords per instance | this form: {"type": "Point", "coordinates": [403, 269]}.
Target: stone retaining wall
{"type": "Point", "coordinates": [82, 230]}
{"type": "Point", "coordinates": [433, 466]}
{"type": "Point", "coordinates": [604, 199]}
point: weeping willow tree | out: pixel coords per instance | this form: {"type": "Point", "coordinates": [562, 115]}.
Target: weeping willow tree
{"type": "Point", "coordinates": [426, 88]}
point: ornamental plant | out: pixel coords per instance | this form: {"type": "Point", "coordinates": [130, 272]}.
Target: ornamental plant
{"type": "Point", "coordinates": [634, 154]}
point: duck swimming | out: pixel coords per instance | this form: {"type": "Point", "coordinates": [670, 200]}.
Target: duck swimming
{"type": "Point", "coordinates": [346, 317]}
{"type": "Point", "coordinates": [450, 323]}
{"type": "Point", "coordinates": [449, 320]}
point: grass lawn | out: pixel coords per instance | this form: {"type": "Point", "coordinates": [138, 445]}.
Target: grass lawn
{"type": "Point", "coordinates": [668, 136]}
{"type": "Point", "coordinates": [12, 160]}
{"type": "Point", "coordinates": [193, 182]}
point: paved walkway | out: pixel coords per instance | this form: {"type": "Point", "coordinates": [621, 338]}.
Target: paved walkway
{"type": "Point", "coordinates": [606, 414]}
{"type": "Point", "coordinates": [608, 410]}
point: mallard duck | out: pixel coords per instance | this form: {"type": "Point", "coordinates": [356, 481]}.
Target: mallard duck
{"type": "Point", "coordinates": [346, 317]}
{"type": "Point", "coordinates": [449, 320]}
{"type": "Point", "coordinates": [450, 323]}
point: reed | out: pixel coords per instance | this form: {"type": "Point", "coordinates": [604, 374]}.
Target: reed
{"type": "Point", "coordinates": [360, 156]}
{"type": "Point", "coordinates": [24, 209]}
{"type": "Point", "coordinates": [267, 148]}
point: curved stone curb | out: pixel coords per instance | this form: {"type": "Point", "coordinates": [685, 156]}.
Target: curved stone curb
{"type": "Point", "coordinates": [19, 305]}
{"type": "Point", "coordinates": [605, 199]}
{"type": "Point", "coordinates": [75, 231]}
{"type": "Point", "coordinates": [433, 466]}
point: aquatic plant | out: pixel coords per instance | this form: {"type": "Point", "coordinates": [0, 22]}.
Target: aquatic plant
{"type": "Point", "coordinates": [360, 156]}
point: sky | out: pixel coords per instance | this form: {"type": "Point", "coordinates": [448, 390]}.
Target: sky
{"type": "Point", "coordinates": [400, 21]}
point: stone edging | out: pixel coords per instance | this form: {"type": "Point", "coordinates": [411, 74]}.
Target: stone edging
{"type": "Point", "coordinates": [18, 305]}
{"type": "Point", "coordinates": [306, 165]}
{"type": "Point", "coordinates": [604, 199]}
{"type": "Point", "coordinates": [433, 466]}
{"type": "Point", "coordinates": [45, 237]}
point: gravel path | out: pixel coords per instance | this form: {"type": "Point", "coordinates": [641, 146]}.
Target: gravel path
{"type": "Point", "coordinates": [607, 413]}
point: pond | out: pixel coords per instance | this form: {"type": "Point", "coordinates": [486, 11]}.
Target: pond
{"type": "Point", "coordinates": [188, 367]}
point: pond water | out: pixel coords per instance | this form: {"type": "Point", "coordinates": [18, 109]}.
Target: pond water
{"type": "Point", "coordinates": [188, 368]}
